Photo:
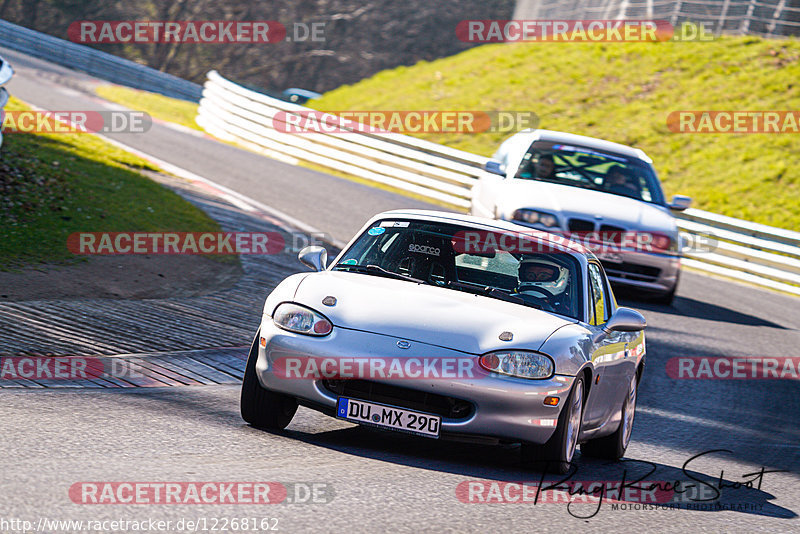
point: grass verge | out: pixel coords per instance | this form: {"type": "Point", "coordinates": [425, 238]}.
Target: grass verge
{"type": "Point", "coordinates": [158, 106]}
{"type": "Point", "coordinates": [624, 92]}
{"type": "Point", "coordinates": [52, 185]}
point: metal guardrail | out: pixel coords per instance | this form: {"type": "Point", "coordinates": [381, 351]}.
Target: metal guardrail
{"type": "Point", "coordinates": [743, 250]}
{"type": "Point", "coordinates": [95, 62]}
{"type": "Point", "coordinates": [433, 171]}
{"type": "Point", "coordinates": [751, 252]}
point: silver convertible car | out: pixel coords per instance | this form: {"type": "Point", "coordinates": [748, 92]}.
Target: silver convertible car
{"type": "Point", "coordinates": [452, 326]}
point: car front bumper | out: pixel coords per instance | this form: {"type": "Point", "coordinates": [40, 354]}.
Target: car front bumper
{"type": "Point", "coordinates": [505, 408]}
{"type": "Point", "coordinates": [649, 271]}
{"type": "Point", "coordinates": [653, 272]}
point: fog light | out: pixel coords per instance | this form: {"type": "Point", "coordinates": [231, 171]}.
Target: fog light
{"type": "Point", "coordinates": [551, 401]}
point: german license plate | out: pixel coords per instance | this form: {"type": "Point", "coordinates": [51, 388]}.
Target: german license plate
{"type": "Point", "coordinates": [382, 416]}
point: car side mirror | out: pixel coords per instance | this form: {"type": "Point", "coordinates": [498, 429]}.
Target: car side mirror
{"type": "Point", "coordinates": [495, 167]}
{"type": "Point", "coordinates": [680, 203]}
{"type": "Point", "coordinates": [626, 320]}
{"type": "Point", "coordinates": [314, 257]}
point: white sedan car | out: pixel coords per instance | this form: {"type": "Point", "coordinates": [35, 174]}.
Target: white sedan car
{"type": "Point", "coordinates": [582, 186]}
{"type": "Point", "coordinates": [445, 325]}
{"type": "Point", "coordinates": [6, 73]}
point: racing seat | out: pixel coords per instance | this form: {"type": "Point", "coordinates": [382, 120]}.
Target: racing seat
{"type": "Point", "coordinates": [430, 258]}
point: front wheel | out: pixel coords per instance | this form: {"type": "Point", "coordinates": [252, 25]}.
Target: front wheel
{"type": "Point", "coordinates": [667, 298]}
{"type": "Point", "coordinates": [556, 455]}
{"type": "Point", "coordinates": [260, 407]}
{"type": "Point", "coordinates": [613, 447]}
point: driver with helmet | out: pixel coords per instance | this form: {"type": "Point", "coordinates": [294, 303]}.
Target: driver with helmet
{"type": "Point", "coordinates": [545, 281]}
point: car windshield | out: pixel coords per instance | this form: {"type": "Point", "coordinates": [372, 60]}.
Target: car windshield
{"type": "Point", "coordinates": [591, 169]}
{"type": "Point", "coordinates": [501, 265]}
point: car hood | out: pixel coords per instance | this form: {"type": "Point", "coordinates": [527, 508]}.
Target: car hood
{"type": "Point", "coordinates": [426, 314]}
{"type": "Point", "coordinates": [572, 201]}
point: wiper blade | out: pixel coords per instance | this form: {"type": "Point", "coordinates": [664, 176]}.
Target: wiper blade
{"type": "Point", "coordinates": [505, 295]}
{"type": "Point", "coordinates": [376, 269]}
{"type": "Point", "coordinates": [491, 291]}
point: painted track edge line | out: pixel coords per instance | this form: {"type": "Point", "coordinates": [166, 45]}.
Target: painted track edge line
{"type": "Point", "coordinates": [233, 195]}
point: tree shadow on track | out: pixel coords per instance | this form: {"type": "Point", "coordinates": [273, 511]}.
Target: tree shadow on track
{"type": "Point", "coordinates": [754, 417]}
{"type": "Point", "coordinates": [696, 309]}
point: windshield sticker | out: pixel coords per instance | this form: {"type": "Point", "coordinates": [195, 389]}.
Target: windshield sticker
{"type": "Point", "coordinates": [351, 261]}
{"type": "Point", "coordinates": [377, 230]}
{"type": "Point", "coordinates": [569, 148]}
{"type": "Point", "coordinates": [395, 224]}
{"type": "Point", "coordinates": [423, 249]}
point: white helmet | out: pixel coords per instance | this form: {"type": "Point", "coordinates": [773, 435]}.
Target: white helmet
{"type": "Point", "coordinates": [555, 284]}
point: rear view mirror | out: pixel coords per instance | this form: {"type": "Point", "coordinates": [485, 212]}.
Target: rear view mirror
{"type": "Point", "coordinates": [626, 320]}
{"type": "Point", "coordinates": [314, 257]}
{"type": "Point", "coordinates": [495, 167]}
{"type": "Point", "coordinates": [680, 203]}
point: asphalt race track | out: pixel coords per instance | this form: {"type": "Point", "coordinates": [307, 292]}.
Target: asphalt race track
{"type": "Point", "coordinates": [368, 480]}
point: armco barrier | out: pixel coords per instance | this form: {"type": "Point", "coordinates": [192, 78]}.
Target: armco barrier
{"type": "Point", "coordinates": [413, 165]}
{"type": "Point", "coordinates": [747, 251]}
{"type": "Point", "coordinates": [101, 64]}
{"type": "Point", "coordinates": [750, 252]}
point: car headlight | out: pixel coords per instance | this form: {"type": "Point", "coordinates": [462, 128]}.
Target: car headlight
{"type": "Point", "coordinates": [535, 217]}
{"type": "Point", "coordinates": [301, 320]}
{"type": "Point", "coordinates": [663, 243]}
{"type": "Point", "coordinates": [518, 363]}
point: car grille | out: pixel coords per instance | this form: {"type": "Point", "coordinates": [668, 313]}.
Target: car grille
{"type": "Point", "coordinates": [447, 407]}
{"type": "Point", "coordinates": [580, 225]}
{"type": "Point", "coordinates": [611, 234]}
{"type": "Point", "coordinates": [629, 271]}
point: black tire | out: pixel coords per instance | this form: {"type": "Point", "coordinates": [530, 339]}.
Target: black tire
{"type": "Point", "coordinates": [555, 456]}
{"type": "Point", "coordinates": [260, 407]}
{"type": "Point", "coordinates": [667, 298]}
{"type": "Point", "coordinates": [613, 447]}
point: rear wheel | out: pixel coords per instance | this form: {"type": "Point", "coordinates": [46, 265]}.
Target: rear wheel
{"type": "Point", "coordinates": [613, 447]}
{"type": "Point", "coordinates": [556, 455]}
{"type": "Point", "coordinates": [260, 407]}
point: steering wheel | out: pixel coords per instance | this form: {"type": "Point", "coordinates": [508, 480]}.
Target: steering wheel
{"type": "Point", "coordinates": [538, 289]}
{"type": "Point", "coordinates": [543, 303]}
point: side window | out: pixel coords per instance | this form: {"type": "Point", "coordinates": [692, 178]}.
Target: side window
{"type": "Point", "coordinates": [610, 297]}
{"type": "Point", "coordinates": [600, 308]}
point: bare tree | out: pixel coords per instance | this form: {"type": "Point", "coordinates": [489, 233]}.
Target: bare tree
{"type": "Point", "coordinates": [361, 36]}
